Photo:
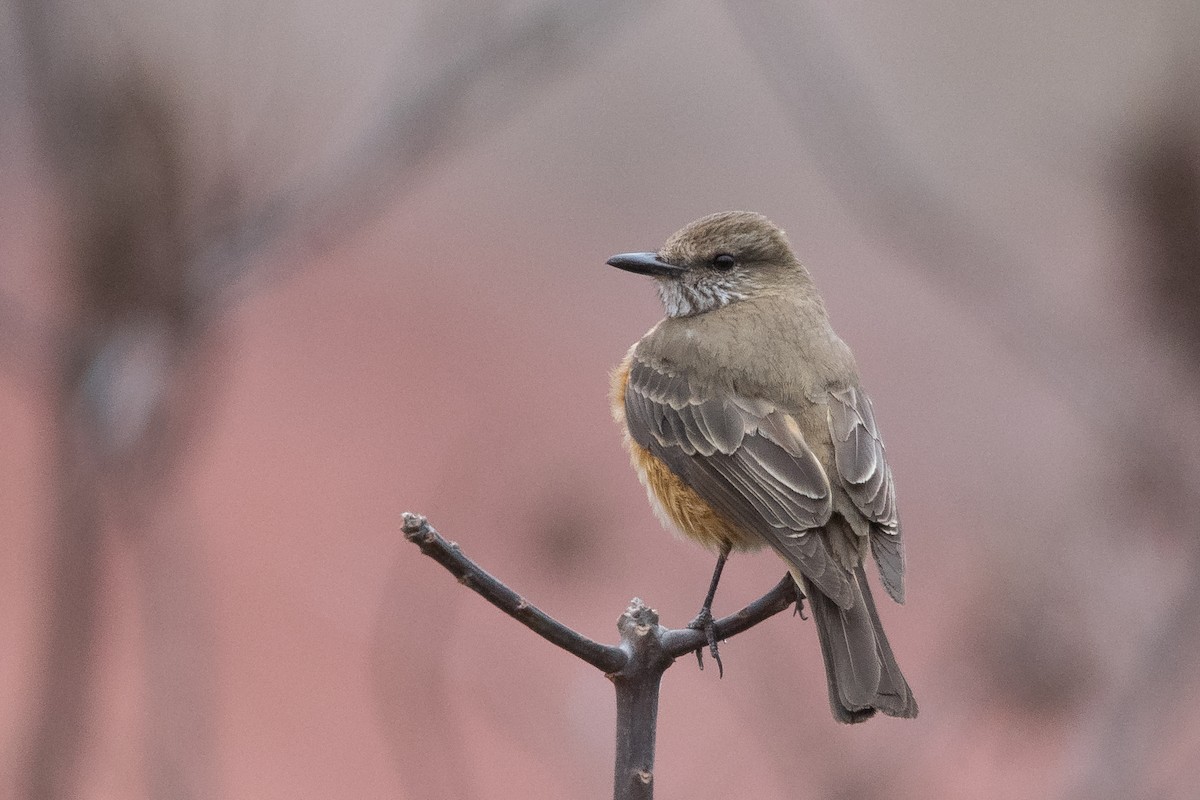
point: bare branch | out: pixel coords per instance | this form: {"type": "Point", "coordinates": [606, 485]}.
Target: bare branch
{"type": "Point", "coordinates": [418, 531]}
{"type": "Point", "coordinates": [675, 641]}
{"type": "Point", "coordinates": [685, 640]}
{"type": "Point", "coordinates": [636, 667]}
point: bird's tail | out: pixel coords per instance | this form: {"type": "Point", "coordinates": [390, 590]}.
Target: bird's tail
{"type": "Point", "coordinates": [863, 675]}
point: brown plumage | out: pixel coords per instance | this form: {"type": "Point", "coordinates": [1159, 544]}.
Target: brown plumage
{"type": "Point", "coordinates": [745, 420]}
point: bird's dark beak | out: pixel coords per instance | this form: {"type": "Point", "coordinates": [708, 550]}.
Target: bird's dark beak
{"type": "Point", "coordinates": [644, 264]}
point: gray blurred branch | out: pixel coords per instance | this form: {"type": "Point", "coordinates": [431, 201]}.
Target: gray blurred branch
{"type": "Point", "coordinates": [474, 94]}
{"type": "Point", "coordinates": [1121, 386]}
{"type": "Point", "coordinates": [161, 238]}
{"type": "Point", "coordinates": [1160, 176]}
{"type": "Point", "coordinates": [130, 365]}
{"type": "Point", "coordinates": [1110, 380]}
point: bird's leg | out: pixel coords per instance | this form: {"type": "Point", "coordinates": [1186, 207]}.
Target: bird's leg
{"type": "Point", "coordinates": [704, 620]}
{"type": "Point", "coordinates": [799, 610]}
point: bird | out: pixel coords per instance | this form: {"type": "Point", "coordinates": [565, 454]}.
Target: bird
{"type": "Point", "coordinates": [745, 419]}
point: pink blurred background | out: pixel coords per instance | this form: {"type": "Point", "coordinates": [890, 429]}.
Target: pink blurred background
{"type": "Point", "coordinates": [271, 277]}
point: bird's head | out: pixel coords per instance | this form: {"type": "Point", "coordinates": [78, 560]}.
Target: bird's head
{"type": "Point", "coordinates": [718, 260]}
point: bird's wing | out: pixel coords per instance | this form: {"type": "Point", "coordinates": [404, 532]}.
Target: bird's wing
{"type": "Point", "coordinates": [861, 464]}
{"type": "Point", "coordinates": [744, 457]}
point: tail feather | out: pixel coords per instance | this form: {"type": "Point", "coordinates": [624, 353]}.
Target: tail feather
{"type": "Point", "coordinates": [859, 664]}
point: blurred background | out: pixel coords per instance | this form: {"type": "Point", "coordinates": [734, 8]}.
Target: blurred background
{"type": "Point", "coordinates": [273, 273]}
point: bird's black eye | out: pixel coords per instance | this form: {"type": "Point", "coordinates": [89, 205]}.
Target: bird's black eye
{"type": "Point", "coordinates": [724, 262]}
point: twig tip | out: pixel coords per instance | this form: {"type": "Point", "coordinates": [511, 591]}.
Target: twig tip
{"type": "Point", "coordinates": [639, 617]}
{"type": "Point", "coordinates": [414, 523]}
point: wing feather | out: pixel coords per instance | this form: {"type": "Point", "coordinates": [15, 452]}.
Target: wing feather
{"type": "Point", "coordinates": [747, 459]}
{"type": "Point", "coordinates": [726, 429]}
{"type": "Point", "coordinates": [862, 465]}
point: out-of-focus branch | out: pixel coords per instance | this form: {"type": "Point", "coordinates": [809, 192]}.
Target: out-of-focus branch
{"type": "Point", "coordinates": [474, 94]}
{"type": "Point", "coordinates": [130, 368]}
{"type": "Point", "coordinates": [55, 739]}
{"type": "Point", "coordinates": [27, 341]}
{"type": "Point", "coordinates": [1122, 388]}
{"type": "Point", "coordinates": [1161, 177]}
{"type": "Point", "coordinates": [130, 359]}
{"type": "Point", "coordinates": [157, 249]}
{"type": "Point", "coordinates": [636, 667]}
{"type": "Point", "coordinates": [1113, 382]}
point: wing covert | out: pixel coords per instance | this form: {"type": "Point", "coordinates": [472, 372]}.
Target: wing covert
{"type": "Point", "coordinates": [862, 465]}
{"type": "Point", "coordinates": [745, 458]}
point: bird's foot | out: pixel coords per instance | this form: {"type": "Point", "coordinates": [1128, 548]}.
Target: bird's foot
{"type": "Point", "coordinates": [704, 622]}
{"type": "Point", "coordinates": [799, 610]}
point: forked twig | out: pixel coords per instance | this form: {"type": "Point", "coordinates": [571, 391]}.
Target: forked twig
{"type": "Point", "coordinates": [635, 666]}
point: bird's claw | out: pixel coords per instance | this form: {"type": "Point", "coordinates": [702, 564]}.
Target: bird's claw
{"type": "Point", "coordinates": [704, 622]}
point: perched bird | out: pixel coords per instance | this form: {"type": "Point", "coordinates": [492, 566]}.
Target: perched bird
{"type": "Point", "coordinates": [746, 422]}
